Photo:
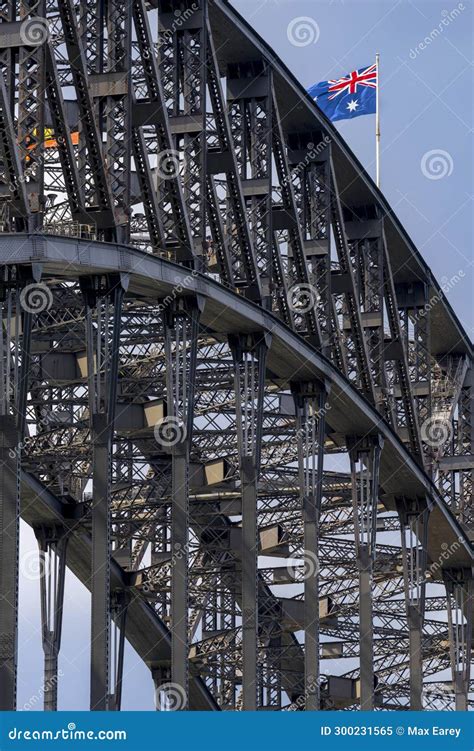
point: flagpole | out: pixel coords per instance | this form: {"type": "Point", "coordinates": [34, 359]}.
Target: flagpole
{"type": "Point", "coordinates": [377, 124]}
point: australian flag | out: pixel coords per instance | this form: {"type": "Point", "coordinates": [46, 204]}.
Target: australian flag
{"type": "Point", "coordinates": [350, 96]}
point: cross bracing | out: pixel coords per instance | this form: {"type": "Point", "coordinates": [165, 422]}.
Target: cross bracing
{"type": "Point", "coordinates": [233, 400]}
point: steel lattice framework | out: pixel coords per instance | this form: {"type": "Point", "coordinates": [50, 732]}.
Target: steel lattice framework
{"type": "Point", "coordinates": [233, 399]}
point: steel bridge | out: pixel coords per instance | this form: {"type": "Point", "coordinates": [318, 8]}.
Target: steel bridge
{"type": "Point", "coordinates": [234, 401]}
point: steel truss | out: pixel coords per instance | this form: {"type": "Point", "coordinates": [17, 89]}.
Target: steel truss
{"type": "Point", "coordinates": [232, 398]}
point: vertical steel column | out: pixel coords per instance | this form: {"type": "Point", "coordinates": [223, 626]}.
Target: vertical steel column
{"type": "Point", "coordinates": [249, 582]}
{"type": "Point", "coordinates": [309, 181]}
{"type": "Point", "coordinates": [84, 44]}
{"type": "Point", "coordinates": [465, 439]}
{"type": "Point", "coordinates": [302, 296]}
{"type": "Point", "coordinates": [164, 206]}
{"type": "Point", "coordinates": [15, 339]}
{"type": "Point", "coordinates": [52, 543]}
{"type": "Point", "coordinates": [7, 55]}
{"type": "Point", "coordinates": [395, 354]}
{"type": "Point", "coordinates": [460, 592]}
{"type": "Point", "coordinates": [365, 461]}
{"type": "Point", "coordinates": [249, 355]}
{"type": "Point", "coordinates": [182, 51]}
{"type": "Point", "coordinates": [310, 403]}
{"type": "Point", "coordinates": [100, 630]}
{"type": "Point", "coordinates": [414, 536]}
{"type": "Point", "coordinates": [234, 251]}
{"type": "Point", "coordinates": [161, 674]}
{"type": "Point", "coordinates": [117, 112]}
{"type": "Point", "coordinates": [355, 340]}
{"type": "Point", "coordinates": [31, 101]}
{"type": "Point", "coordinates": [181, 341]}
{"type": "Point", "coordinates": [102, 339]}
{"type": "Point", "coordinates": [366, 253]}
{"type": "Point", "coordinates": [15, 214]}
{"type": "Point", "coordinates": [119, 605]}
{"type": "Point", "coordinates": [414, 314]}
{"type": "Point", "coordinates": [90, 36]}
{"type": "Point", "coordinates": [9, 533]}
{"type": "Point", "coordinates": [249, 102]}
{"type": "Point", "coordinates": [179, 571]}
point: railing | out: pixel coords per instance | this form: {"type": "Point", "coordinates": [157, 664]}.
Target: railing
{"type": "Point", "coordinates": [71, 229]}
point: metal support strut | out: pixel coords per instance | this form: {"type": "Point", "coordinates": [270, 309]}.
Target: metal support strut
{"type": "Point", "coordinates": [460, 591]}
{"type": "Point", "coordinates": [103, 309]}
{"type": "Point", "coordinates": [249, 355]}
{"type": "Point", "coordinates": [15, 338]}
{"type": "Point", "coordinates": [414, 534]}
{"type": "Point", "coordinates": [119, 604]}
{"type": "Point", "coordinates": [175, 433]}
{"type": "Point", "coordinates": [310, 401]}
{"type": "Point", "coordinates": [52, 543]}
{"type": "Point", "coordinates": [365, 462]}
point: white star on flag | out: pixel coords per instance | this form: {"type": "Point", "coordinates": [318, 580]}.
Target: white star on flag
{"type": "Point", "coordinates": [352, 106]}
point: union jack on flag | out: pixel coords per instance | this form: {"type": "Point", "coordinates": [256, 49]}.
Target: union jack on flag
{"type": "Point", "coordinates": [349, 96]}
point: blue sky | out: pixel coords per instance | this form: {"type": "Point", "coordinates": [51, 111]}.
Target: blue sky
{"type": "Point", "coordinates": [426, 105]}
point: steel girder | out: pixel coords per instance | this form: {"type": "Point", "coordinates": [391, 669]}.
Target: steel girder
{"type": "Point", "coordinates": [173, 410]}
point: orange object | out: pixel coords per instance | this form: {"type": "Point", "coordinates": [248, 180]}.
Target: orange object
{"type": "Point", "coordinates": [51, 143]}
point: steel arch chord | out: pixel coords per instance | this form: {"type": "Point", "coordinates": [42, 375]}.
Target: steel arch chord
{"type": "Point", "coordinates": [228, 403]}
